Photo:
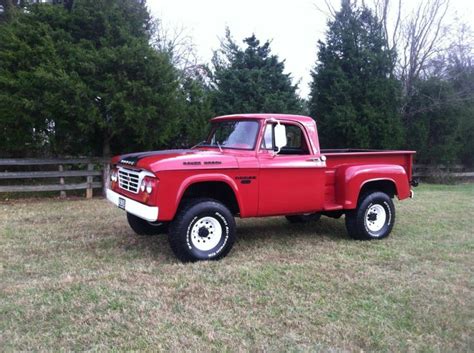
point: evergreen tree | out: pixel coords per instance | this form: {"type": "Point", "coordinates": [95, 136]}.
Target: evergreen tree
{"type": "Point", "coordinates": [197, 110]}
{"type": "Point", "coordinates": [440, 125]}
{"type": "Point", "coordinates": [463, 82]}
{"type": "Point", "coordinates": [434, 128]}
{"type": "Point", "coordinates": [251, 80]}
{"type": "Point", "coordinates": [84, 79]}
{"type": "Point", "coordinates": [354, 96]}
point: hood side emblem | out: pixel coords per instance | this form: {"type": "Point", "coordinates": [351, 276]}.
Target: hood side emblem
{"type": "Point", "coordinates": [127, 162]}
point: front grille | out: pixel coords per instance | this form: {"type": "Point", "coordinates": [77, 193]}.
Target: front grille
{"type": "Point", "coordinates": [129, 180]}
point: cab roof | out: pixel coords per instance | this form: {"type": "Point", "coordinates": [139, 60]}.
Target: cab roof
{"type": "Point", "coordinates": [300, 118]}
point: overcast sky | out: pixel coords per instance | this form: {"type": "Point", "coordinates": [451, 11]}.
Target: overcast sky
{"type": "Point", "coordinates": [294, 27]}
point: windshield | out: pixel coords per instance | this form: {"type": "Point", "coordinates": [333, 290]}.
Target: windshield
{"type": "Point", "coordinates": [239, 134]}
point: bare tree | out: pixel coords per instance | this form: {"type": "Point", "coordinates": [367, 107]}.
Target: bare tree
{"type": "Point", "coordinates": [421, 38]}
{"type": "Point", "coordinates": [461, 50]}
{"type": "Point", "coordinates": [417, 37]}
{"type": "Point", "coordinates": [178, 45]}
{"type": "Point", "coordinates": [391, 20]}
{"type": "Point", "coordinates": [329, 11]}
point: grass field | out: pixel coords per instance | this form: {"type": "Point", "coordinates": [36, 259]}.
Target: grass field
{"type": "Point", "coordinates": [73, 276]}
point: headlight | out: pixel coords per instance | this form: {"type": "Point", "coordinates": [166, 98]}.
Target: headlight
{"type": "Point", "coordinates": [113, 176]}
{"type": "Point", "coordinates": [149, 187]}
{"type": "Point", "coordinates": [148, 184]}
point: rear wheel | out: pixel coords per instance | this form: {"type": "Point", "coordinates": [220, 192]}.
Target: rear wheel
{"type": "Point", "coordinates": [373, 218]}
{"type": "Point", "coordinates": [204, 229]}
{"type": "Point", "coordinates": [304, 218]}
{"type": "Point", "coordinates": [143, 227]}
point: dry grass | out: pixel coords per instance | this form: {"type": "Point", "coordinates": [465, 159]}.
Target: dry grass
{"type": "Point", "coordinates": [75, 277]}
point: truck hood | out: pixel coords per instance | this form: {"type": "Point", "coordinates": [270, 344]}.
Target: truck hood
{"type": "Point", "coordinates": [183, 159]}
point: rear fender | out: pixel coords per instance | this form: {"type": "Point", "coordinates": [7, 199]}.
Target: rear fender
{"type": "Point", "coordinates": [351, 179]}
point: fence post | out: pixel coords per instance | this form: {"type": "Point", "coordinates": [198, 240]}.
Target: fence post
{"type": "Point", "coordinates": [90, 179]}
{"type": "Point", "coordinates": [62, 193]}
{"type": "Point", "coordinates": [105, 178]}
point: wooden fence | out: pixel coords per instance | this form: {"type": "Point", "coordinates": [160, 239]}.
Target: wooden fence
{"type": "Point", "coordinates": [442, 171]}
{"type": "Point", "coordinates": [86, 169]}
{"type": "Point", "coordinates": [89, 169]}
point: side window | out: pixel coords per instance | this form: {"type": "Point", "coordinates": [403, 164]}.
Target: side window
{"type": "Point", "coordinates": [296, 141]}
{"type": "Point", "coordinates": [267, 141]}
{"type": "Point", "coordinates": [295, 137]}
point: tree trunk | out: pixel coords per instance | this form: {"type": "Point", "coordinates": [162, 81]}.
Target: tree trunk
{"type": "Point", "coordinates": [106, 147]}
{"type": "Point", "coordinates": [8, 8]}
{"type": "Point", "coordinates": [68, 4]}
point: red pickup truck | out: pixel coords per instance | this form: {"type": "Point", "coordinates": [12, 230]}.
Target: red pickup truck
{"type": "Point", "coordinates": [256, 165]}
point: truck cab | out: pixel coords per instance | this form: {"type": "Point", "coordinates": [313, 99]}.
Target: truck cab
{"type": "Point", "coordinates": [256, 165]}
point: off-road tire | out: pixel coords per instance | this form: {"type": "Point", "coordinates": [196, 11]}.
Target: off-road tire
{"type": "Point", "coordinates": [206, 216]}
{"type": "Point", "coordinates": [143, 227]}
{"type": "Point", "coordinates": [304, 218]}
{"type": "Point", "coordinates": [359, 223]}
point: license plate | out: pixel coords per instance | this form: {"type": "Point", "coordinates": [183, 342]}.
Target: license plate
{"type": "Point", "coordinates": [121, 203]}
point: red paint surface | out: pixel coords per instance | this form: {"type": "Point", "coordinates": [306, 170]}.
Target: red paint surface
{"type": "Point", "coordinates": [282, 184]}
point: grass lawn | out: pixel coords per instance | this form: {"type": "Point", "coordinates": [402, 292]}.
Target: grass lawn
{"type": "Point", "coordinates": [73, 276]}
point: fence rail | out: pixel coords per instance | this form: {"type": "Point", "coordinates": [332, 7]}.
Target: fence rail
{"type": "Point", "coordinates": [442, 171]}
{"type": "Point", "coordinates": [49, 161]}
{"type": "Point", "coordinates": [98, 168]}
{"type": "Point", "coordinates": [94, 168]}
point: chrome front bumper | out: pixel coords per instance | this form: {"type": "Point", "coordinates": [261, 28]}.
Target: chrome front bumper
{"type": "Point", "coordinates": [138, 209]}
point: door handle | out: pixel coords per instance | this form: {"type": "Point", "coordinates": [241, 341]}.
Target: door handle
{"type": "Point", "coordinates": [320, 159]}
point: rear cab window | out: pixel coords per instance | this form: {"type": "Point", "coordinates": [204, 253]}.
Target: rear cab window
{"type": "Point", "coordinates": [296, 140]}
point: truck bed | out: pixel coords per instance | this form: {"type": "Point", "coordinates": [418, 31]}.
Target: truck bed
{"type": "Point", "coordinates": [358, 151]}
{"type": "Point", "coordinates": [337, 158]}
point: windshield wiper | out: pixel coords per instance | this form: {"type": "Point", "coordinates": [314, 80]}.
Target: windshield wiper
{"type": "Point", "coordinates": [199, 144]}
{"type": "Point", "coordinates": [204, 143]}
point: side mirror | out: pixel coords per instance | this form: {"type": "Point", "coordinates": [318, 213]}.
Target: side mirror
{"type": "Point", "coordinates": [280, 137]}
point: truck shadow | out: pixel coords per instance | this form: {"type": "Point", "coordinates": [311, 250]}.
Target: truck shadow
{"type": "Point", "coordinates": [154, 247]}
{"type": "Point", "coordinates": [278, 228]}
{"type": "Point", "coordinates": [251, 233]}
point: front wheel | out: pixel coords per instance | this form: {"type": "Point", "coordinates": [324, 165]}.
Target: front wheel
{"type": "Point", "coordinates": [203, 230]}
{"type": "Point", "coordinates": [373, 218]}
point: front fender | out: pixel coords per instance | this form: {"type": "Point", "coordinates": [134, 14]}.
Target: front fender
{"type": "Point", "coordinates": [351, 179]}
{"type": "Point", "coordinates": [208, 177]}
